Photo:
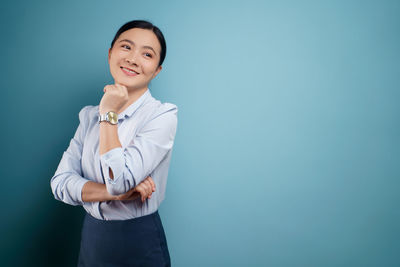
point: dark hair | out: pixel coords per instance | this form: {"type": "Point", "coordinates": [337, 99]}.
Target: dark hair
{"type": "Point", "coordinates": [142, 24]}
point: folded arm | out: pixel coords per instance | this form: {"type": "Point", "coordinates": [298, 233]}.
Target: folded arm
{"type": "Point", "coordinates": [93, 192]}
{"type": "Point", "coordinates": [67, 182]}
{"type": "Point", "coordinates": [125, 168]}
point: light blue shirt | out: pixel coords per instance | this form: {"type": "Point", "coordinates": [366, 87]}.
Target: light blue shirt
{"type": "Point", "coordinates": [146, 130]}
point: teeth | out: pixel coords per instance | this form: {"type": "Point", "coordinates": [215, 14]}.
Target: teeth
{"type": "Point", "coordinates": [128, 70]}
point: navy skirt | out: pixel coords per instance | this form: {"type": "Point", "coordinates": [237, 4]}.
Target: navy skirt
{"type": "Point", "coordinates": [135, 242]}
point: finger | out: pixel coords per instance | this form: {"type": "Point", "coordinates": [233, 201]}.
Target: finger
{"type": "Point", "coordinates": [119, 88]}
{"type": "Point", "coordinates": [144, 196]}
{"type": "Point", "coordinates": [153, 185]}
{"type": "Point", "coordinates": [150, 185]}
{"type": "Point", "coordinates": [108, 88]}
{"type": "Point", "coordinates": [120, 85]}
{"type": "Point", "coordinates": [143, 191]}
{"type": "Point", "coordinates": [147, 185]}
{"type": "Point", "coordinates": [148, 189]}
{"type": "Point", "coordinates": [139, 189]}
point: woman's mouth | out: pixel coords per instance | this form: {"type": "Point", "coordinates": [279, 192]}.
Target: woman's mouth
{"type": "Point", "coordinates": [129, 72]}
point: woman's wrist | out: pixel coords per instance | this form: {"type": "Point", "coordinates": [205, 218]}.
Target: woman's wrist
{"type": "Point", "coordinates": [94, 192]}
{"type": "Point", "coordinates": [108, 196]}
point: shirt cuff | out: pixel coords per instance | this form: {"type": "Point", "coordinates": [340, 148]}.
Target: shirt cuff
{"type": "Point", "coordinates": [115, 160]}
{"type": "Point", "coordinates": [79, 187]}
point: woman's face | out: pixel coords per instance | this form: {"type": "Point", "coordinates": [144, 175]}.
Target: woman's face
{"type": "Point", "coordinates": [134, 58]}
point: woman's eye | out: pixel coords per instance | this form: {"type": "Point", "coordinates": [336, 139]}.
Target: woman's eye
{"type": "Point", "coordinates": [126, 46]}
{"type": "Point", "coordinates": [147, 54]}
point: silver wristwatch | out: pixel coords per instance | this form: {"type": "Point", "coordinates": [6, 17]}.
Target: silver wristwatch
{"type": "Point", "coordinates": [110, 117]}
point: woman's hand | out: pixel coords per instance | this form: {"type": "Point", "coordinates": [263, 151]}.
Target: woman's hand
{"type": "Point", "coordinates": [143, 190]}
{"type": "Point", "coordinates": [114, 98]}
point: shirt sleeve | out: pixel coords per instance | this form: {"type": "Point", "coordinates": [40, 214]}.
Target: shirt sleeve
{"type": "Point", "coordinates": [132, 164]}
{"type": "Point", "coordinates": [67, 182]}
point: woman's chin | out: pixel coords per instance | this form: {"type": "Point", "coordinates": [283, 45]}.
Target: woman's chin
{"type": "Point", "coordinates": [129, 84]}
{"type": "Point", "coordinates": [126, 83]}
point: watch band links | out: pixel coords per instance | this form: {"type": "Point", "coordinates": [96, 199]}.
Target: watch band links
{"type": "Point", "coordinates": [110, 117]}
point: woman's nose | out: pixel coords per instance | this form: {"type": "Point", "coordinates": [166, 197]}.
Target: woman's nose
{"type": "Point", "coordinates": [131, 59]}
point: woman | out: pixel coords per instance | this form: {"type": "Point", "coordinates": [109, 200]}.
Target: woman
{"type": "Point", "coordinates": [120, 155]}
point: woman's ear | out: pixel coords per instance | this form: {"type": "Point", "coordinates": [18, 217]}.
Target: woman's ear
{"type": "Point", "coordinates": [109, 54]}
{"type": "Point", "coordinates": [159, 68]}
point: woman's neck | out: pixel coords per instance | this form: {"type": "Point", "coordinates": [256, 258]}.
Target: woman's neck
{"type": "Point", "coordinates": [133, 94]}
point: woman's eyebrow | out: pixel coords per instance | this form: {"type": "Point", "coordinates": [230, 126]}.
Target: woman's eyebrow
{"type": "Point", "coordinates": [132, 43]}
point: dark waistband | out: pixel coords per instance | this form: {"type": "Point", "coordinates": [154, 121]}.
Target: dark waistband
{"type": "Point", "coordinates": [140, 219]}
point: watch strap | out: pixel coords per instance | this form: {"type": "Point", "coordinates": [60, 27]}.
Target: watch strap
{"type": "Point", "coordinates": [105, 117]}
{"type": "Point", "coordinates": [102, 117]}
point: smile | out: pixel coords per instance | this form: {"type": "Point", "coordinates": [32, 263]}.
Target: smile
{"type": "Point", "coordinates": [129, 72]}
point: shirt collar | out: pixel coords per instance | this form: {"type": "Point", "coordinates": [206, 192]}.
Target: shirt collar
{"type": "Point", "coordinates": [134, 106]}
{"type": "Point", "coordinates": [128, 112]}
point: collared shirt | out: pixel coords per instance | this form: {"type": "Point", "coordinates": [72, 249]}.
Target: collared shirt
{"type": "Point", "coordinates": [146, 131]}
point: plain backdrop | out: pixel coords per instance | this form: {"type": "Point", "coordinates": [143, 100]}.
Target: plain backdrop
{"type": "Point", "coordinates": [287, 148]}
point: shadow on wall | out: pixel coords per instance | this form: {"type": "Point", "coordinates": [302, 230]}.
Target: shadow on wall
{"type": "Point", "coordinates": [47, 232]}
{"type": "Point", "coordinates": [44, 231]}
{"type": "Point", "coordinates": [53, 238]}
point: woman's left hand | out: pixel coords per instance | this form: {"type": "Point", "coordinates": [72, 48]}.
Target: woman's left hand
{"type": "Point", "coordinates": [114, 98]}
{"type": "Point", "coordinates": [142, 190]}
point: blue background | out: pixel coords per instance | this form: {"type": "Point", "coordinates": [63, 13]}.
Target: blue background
{"type": "Point", "coordinates": [287, 149]}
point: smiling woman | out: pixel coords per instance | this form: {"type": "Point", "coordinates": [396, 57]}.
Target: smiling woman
{"type": "Point", "coordinates": [136, 53]}
{"type": "Point", "coordinates": [116, 165]}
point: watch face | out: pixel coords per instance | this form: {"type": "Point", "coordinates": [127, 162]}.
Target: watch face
{"type": "Point", "coordinates": [112, 117]}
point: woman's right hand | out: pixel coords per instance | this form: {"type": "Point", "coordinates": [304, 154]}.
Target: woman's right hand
{"type": "Point", "coordinates": [143, 190]}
